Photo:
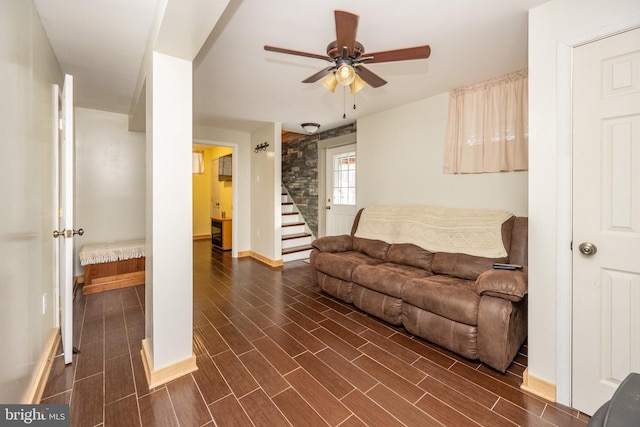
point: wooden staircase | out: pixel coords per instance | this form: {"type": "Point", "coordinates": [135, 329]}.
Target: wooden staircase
{"type": "Point", "coordinates": [296, 236]}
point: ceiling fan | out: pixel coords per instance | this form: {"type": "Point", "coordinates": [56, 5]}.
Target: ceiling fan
{"type": "Point", "coordinates": [347, 55]}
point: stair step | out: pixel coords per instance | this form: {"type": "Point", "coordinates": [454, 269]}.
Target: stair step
{"type": "Point", "coordinates": [288, 229]}
{"type": "Point", "coordinates": [290, 219]}
{"type": "Point", "coordinates": [293, 224]}
{"type": "Point", "coordinates": [296, 249]}
{"type": "Point", "coordinates": [286, 244]}
{"type": "Point", "coordinates": [286, 209]}
{"type": "Point", "coordinates": [295, 236]}
{"type": "Point", "coordinates": [287, 203]}
{"type": "Point", "coordinates": [296, 256]}
{"type": "Point", "coordinates": [290, 213]}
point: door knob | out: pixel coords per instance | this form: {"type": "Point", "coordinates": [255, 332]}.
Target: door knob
{"type": "Point", "coordinates": [67, 233]}
{"type": "Point", "coordinates": [587, 248]}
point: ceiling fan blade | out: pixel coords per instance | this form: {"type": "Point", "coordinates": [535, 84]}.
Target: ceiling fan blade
{"type": "Point", "coordinates": [370, 77]}
{"type": "Point", "coordinates": [317, 76]}
{"type": "Point", "coordinates": [346, 29]}
{"type": "Point", "coordinates": [296, 52]}
{"type": "Point", "coordinates": [418, 52]}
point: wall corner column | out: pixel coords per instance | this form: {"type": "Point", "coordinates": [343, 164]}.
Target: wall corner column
{"type": "Point", "coordinates": [167, 350]}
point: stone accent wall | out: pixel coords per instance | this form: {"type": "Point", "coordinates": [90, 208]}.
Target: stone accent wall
{"type": "Point", "coordinates": [300, 170]}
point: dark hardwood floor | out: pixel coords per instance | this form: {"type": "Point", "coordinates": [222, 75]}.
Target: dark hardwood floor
{"type": "Point", "coordinates": [272, 350]}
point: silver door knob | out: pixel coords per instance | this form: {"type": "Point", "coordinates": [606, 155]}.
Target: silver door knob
{"type": "Point", "coordinates": [588, 248]}
{"type": "Point", "coordinates": [57, 233]}
{"type": "Point", "coordinates": [79, 231]}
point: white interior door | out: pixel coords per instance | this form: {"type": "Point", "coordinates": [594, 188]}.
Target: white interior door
{"type": "Point", "coordinates": [65, 216]}
{"type": "Point", "coordinates": [606, 204]}
{"type": "Point", "coordinates": [341, 189]}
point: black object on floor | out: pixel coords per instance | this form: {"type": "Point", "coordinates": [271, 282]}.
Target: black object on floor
{"type": "Point", "coordinates": [623, 410]}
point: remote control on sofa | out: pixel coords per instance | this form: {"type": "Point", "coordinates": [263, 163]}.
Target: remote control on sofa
{"type": "Point", "coordinates": [500, 266]}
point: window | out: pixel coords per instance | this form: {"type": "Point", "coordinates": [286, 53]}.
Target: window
{"type": "Point", "coordinates": [197, 161]}
{"type": "Point", "coordinates": [344, 178]}
{"type": "Point", "coordinates": [488, 126]}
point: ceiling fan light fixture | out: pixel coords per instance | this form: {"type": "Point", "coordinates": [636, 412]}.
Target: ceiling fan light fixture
{"type": "Point", "coordinates": [330, 82]}
{"type": "Point", "coordinates": [357, 84]}
{"type": "Point", "coordinates": [345, 74]}
{"type": "Point", "coordinates": [310, 127]}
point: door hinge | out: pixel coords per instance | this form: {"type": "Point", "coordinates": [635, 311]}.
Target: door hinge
{"type": "Point", "coordinates": [571, 245]}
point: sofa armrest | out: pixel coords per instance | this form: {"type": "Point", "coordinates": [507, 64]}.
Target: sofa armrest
{"type": "Point", "coordinates": [507, 284]}
{"type": "Point", "coordinates": [341, 243]}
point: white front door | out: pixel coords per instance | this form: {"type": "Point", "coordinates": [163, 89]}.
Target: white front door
{"type": "Point", "coordinates": [341, 189]}
{"type": "Point", "coordinates": [606, 217]}
{"type": "Point", "coordinates": [65, 216]}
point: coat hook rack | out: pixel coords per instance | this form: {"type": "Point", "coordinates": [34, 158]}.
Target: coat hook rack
{"type": "Point", "coordinates": [261, 147]}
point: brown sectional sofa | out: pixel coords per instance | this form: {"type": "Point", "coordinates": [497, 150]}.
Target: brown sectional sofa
{"type": "Point", "coordinates": [455, 300]}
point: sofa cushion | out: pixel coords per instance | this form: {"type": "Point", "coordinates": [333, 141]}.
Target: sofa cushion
{"type": "Point", "coordinates": [462, 265]}
{"type": "Point", "coordinates": [449, 297]}
{"type": "Point", "coordinates": [378, 304]}
{"type": "Point", "coordinates": [373, 248]}
{"type": "Point", "coordinates": [342, 264]}
{"type": "Point", "coordinates": [410, 254]}
{"type": "Point", "coordinates": [387, 278]}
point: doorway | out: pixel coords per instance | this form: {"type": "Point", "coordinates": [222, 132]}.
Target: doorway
{"type": "Point", "coordinates": [341, 189]}
{"type": "Point", "coordinates": [326, 149]}
{"type": "Point", "coordinates": [214, 191]}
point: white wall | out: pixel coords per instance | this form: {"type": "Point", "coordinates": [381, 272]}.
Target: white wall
{"type": "Point", "coordinates": [400, 155]}
{"type": "Point", "coordinates": [29, 69]}
{"type": "Point", "coordinates": [266, 189]}
{"type": "Point", "coordinates": [552, 26]}
{"type": "Point", "coordinates": [110, 179]}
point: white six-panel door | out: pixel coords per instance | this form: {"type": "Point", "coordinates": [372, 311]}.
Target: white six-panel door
{"type": "Point", "coordinates": [606, 217]}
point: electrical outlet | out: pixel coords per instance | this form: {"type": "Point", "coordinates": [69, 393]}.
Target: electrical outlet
{"type": "Point", "coordinates": [44, 304]}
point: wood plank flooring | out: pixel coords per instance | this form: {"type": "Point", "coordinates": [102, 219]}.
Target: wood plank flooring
{"type": "Point", "coordinates": [272, 350]}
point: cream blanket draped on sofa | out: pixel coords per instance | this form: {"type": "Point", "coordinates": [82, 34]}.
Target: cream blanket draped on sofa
{"type": "Point", "coordinates": [475, 232]}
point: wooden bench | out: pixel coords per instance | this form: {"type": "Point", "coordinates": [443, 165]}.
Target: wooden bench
{"type": "Point", "coordinates": [112, 265]}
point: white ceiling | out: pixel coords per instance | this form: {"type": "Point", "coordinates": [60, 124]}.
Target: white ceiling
{"type": "Point", "coordinates": [239, 86]}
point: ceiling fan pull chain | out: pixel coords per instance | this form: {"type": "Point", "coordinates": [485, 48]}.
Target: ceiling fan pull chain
{"type": "Point", "coordinates": [354, 101]}
{"type": "Point", "coordinates": [344, 102]}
